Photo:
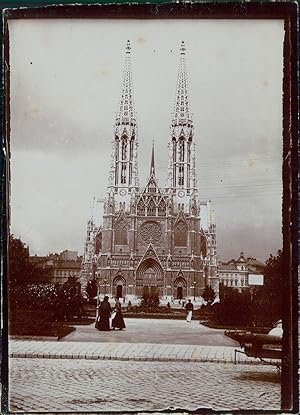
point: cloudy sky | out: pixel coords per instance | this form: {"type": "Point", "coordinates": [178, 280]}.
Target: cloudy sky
{"type": "Point", "coordinates": [65, 89]}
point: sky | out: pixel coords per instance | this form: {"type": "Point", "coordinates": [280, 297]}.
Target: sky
{"type": "Point", "coordinates": [65, 86]}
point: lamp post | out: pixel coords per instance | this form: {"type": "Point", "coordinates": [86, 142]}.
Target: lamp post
{"type": "Point", "coordinates": [194, 286]}
{"type": "Point", "coordinates": [98, 302]}
{"type": "Point", "coordinates": [105, 281]}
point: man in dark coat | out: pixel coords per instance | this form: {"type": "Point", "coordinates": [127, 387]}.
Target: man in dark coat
{"type": "Point", "coordinates": [104, 314]}
{"type": "Point", "coordinates": [189, 308]}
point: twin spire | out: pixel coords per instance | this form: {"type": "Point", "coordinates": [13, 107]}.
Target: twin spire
{"type": "Point", "coordinates": [181, 113]}
{"type": "Point", "coordinates": [124, 167]}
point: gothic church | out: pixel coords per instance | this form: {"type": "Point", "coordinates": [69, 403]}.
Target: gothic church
{"type": "Point", "coordinates": [152, 239]}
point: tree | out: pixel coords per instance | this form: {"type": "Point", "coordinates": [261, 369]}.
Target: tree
{"type": "Point", "coordinates": [234, 308]}
{"type": "Point", "coordinates": [69, 301]}
{"type": "Point", "coordinates": [150, 300]}
{"type": "Point", "coordinates": [268, 299]}
{"type": "Point", "coordinates": [208, 294]}
{"type": "Point", "coordinates": [21, 270]}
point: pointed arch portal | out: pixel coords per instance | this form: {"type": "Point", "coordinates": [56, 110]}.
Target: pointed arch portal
{"type": "Point", "coordinates": [119, 286]}
{"type": "Point", "coordinates": [149, 277]}
{"type": "Point", "coordinates": [180, 290]}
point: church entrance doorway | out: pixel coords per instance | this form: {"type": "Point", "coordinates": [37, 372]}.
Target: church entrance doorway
{"type": "Point", "coordinates": [149, 278]}
{"type": "Point", "coordinates": [119, 291]}
{"type": "Point", "coordinates": [179, 293]}
{"type": "Point", "coordinates": [180, 288]}
{"type": "Point", "coordinates": [119, 286]}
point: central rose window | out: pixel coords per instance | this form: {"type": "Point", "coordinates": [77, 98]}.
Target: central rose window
{"type": "Point", "coordinates": [151, 232]}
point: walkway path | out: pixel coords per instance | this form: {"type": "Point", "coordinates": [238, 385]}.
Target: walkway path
{"type": "Point", "coordinates": [155, 331]}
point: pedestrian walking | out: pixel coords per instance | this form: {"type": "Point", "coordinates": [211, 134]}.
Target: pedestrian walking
{"type": "Point", "coordinates": [104, 314]}
{"type": "Point", "coordinates": [118, 321]}
{"type": "Point", "coordinates": [189, 311]}
{"type": "Point", "coordinates": [168, 306]}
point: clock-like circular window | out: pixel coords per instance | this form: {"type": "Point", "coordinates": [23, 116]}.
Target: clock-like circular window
{"type": "Point", "coordinates": [151, 232]}
{"type": "Point", "coordinates": [122, 192]}
{"type": "Point", "coordinates": [181, 193]}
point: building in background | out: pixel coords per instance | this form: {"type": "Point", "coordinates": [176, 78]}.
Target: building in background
{"type": "Point", "coordinates": [152, 239]}
{"type": "Point", "coordinates": [235, 273]}
{"type": "Point", "coordinates": [60, 266]}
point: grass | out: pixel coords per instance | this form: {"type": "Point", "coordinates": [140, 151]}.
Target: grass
{"type": "Point", "coordinates": [56, 330]}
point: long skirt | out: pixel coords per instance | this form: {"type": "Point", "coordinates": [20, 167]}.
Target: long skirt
{"type": "Point", "coordinates": [118, 321]}
{"type": "Point", "coordinates": [103, 323]}
{"type": "Point", "coordinates": [189, 316]}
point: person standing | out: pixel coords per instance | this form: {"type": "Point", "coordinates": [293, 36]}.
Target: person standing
{"type": "Point", "coordinates": [189, 308]}
{"type": "Point", "coordinates": [104, 314]}
{"type": "Point", "coordinates": [118, 321]}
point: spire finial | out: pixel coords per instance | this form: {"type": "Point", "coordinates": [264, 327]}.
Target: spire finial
{"type": "Point", "coordinates": [182, 48]}
{"type": "Point", "coordinates": [152, 168]}
{"type": "Point", "coordinates": [128, 47]}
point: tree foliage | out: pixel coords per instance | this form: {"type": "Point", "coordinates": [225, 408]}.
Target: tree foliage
{"type": "Point", "coordinates": [254, 306]}
{"type": "Point", "coordinates": [21, 270]}
{"type": "Point", "coordinates": [208, 294]}
{"type": "Point", "coordinates": [234, 307]}
{"type": "Point", "coordinates": [150, 300]}
{"type": "Point", "coordinates": [268, 299]}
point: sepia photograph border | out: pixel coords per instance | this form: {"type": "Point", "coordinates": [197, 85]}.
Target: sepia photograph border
{"type": "Point", "coordinates": [290, 212]}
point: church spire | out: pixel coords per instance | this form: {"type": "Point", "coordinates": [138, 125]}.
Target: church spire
{"type": "Point", "coordinates": [182, 115]}
{"type": "Point", "coordinates": [126, 111]}
{"type": "Point", "coordinates": [152, 168]}
{"type": "Point", "coordinates": [182, 174]}
{"type": "Point", "coordinates": [123, 179]}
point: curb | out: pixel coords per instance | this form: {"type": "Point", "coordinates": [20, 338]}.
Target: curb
{"type": "Point", "coordinates": [134, 358]}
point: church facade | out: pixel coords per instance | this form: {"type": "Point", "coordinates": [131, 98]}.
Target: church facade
{"type": "Point", "coordinates": [152, 239]}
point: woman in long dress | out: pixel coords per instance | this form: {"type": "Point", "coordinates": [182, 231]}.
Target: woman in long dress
{"type": "Point", "coordinates": [118, 321]}
{"type": "Point", "coordinates": [104, 314]}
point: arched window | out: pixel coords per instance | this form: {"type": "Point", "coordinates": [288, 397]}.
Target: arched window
{"type": "Point", "coordinates": [161, 208]}
{"type": "Point", "coordinates": [174, 150]}
{"type": "Point", "coordinates": [117, 149]}
{"type": "Point", "coordinates": [181, 175]}
{"type": "Point", "coordinates": [121, 233]}
{"type": "Point", "coordinates": [123, 173]}
{"type": "Point", "coordinates": [203, 246]}
{"type": "Point", "coordinates": [124, 148]}
{"type": "Point", "coordinates": [151, 208]}
{"type": "Point", "coordinates": [180, 234]}
{"type": "Point", "coordinates": [141, 208]}
{"type": "Point", "coordinates": [131, 150]}
{"type": "Point", "coordinates": [181, 149]}
{"type": "Point", "coordinates": [189, 153]}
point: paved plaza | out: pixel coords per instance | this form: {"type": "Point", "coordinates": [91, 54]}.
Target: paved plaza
{"type": "Point", "coordinates": [153, 365]}
{"type": "Point", "coordinates": [86, 385]}
{"type": "Point", "coordinates": [155, 331]}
